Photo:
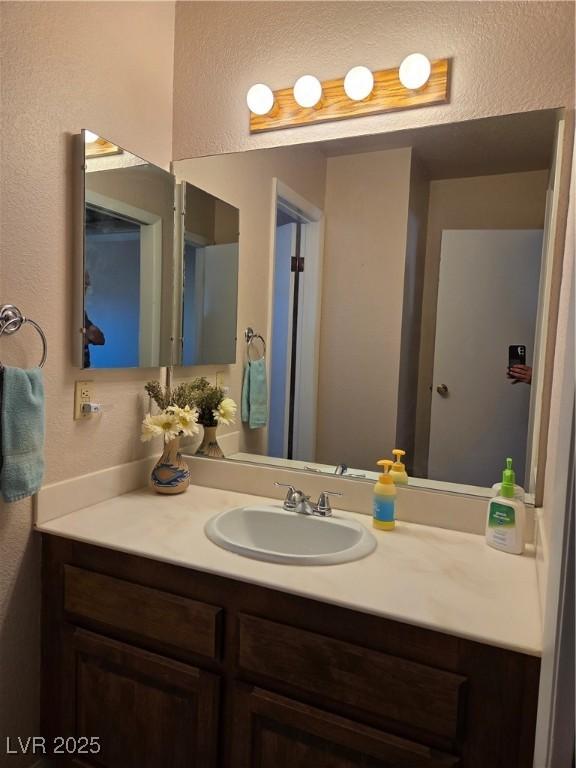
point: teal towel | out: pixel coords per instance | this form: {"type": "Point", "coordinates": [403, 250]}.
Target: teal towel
{"type": "Point", "coordinates": [255, 394]}
{"type": "Point", "coordinates": [22, 433]}
{"type": "Point", "coordinates": [245, 402]}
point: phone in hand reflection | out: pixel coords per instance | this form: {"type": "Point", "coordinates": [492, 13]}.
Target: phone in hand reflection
{"type": "Point", "coordinates": [518, 371]}
{"type": "Point", "coordinates": [516, 355]}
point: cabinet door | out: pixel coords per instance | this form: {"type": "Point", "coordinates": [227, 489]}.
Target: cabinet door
{"type": "Point", "coordinates": [146, 710]}
{"type": "Point", "coordinates": [271, 731]}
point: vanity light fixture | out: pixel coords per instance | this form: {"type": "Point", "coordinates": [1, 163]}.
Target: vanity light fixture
{"type": "Point", "coordinates": [260, 99]}
{"type": "Point", "coordinates": [416, 83]}
{"type": "Point", "coordinates": [307, 91]}
{"type": "Point", "coordinates": [414, 71]}
{"type": "Point", "coordinates": [90, 137]}
{"type": "Point", "coordinates": [358, 83]}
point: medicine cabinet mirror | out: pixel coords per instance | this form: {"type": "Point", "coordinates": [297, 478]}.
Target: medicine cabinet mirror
{"type": "Point", "coordinates": [402, 283]}
{"type": "Point", "coordinates": [127, 245]}
{"type": "Point", "coordinates": [150, 292]}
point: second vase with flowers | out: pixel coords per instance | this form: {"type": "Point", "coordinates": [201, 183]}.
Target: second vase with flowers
{"type": "Point", "coordinates": [181, 411]}
{"type": "Point", "coordinates": [214, 408]}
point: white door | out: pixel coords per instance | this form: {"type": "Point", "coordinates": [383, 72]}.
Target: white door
{"type": "Point", "coordinates": [487, 300]}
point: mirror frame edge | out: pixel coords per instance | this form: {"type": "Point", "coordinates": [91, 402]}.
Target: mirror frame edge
{"type": "Point", "coordinates": [564, 149]}
{"type": "Point", "coordinates": [79, 250]}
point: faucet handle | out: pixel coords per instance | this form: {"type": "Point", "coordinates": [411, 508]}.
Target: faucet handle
{"type": "Point", "coordinates": [291, 496]}
{"type": "Point", "coordinates": [323, 506]}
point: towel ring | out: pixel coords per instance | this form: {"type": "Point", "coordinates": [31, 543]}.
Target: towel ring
{"type": "Point", "coordinates": [11, 320]}
{"type": "Point", "coordinates": [250, 337]}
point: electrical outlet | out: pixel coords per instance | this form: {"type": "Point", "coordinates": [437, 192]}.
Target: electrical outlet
{"type": "Point", "coordinates": [83, 394]}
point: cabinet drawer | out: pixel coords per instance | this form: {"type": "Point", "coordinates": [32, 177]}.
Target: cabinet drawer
{"type": "Point", "coordinates": [404, 691]}
{"type": "Point", "coordinates": [143, 611]}
{"type": "Point", "coordinates": [271, 730]}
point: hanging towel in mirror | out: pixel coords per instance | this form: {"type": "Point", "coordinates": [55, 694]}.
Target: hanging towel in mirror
{"type": "Point", "coordinates": [255, 394]}
{"type": "Point", "coordinates": [22, 415]}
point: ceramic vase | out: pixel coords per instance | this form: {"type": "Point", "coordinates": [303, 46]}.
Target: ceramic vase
{"type": "Point", "coordinates": [171, 473]}
{"type": "Point", "coordinates": [209, 445]}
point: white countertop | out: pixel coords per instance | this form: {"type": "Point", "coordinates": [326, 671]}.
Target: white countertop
{"type": "Point", "coordinates": [443, 580]}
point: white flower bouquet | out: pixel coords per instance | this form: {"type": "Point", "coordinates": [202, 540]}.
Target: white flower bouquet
{"type": "Point", "coordinates": [185, 407]}
{"type": "Point", "coordinates": [171, 422]}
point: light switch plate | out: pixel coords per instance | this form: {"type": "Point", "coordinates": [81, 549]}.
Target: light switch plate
{"type": "Point", "coordinates": [83, 392]}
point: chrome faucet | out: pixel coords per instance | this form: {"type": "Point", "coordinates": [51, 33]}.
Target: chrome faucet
{"type": "Point", "coordinates": [297, 501]}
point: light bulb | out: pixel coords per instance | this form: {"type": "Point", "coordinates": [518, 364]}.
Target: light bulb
{"type": "Point", "coordinates": [359, 83]}
{"type": "Point", "coordinates": [414, 71]}
{"type": "Point", "coordinates": [90, 137]}
{"type": "Point", "coordinates": [260, 99]}
{"type": "Point", "coordinates": [307, 91]}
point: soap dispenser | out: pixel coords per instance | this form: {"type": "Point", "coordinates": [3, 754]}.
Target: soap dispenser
{"type": "Point", "coordinates": [506, 517]}
{"type": "Point", "coordinates": [398, 470]}
{"type": "Point", "coordinates": [383, 511]}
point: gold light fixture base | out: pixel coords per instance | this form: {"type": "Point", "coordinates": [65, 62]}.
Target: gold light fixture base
{"type": "Point", "coordinates": [388, 95]}
{"type": "Point", "coordinates": [102, 148]}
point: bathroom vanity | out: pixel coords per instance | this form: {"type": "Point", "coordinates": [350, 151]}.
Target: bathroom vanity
{"type": "Point", "coordinates": [174, 652]}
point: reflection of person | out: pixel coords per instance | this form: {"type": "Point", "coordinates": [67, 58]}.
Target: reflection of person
{"type": "Point", "coordinates": [520, 373]}
{"type": "Point", "coordinates": [92, 334]}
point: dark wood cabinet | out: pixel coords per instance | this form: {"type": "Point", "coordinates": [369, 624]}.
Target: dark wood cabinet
{"type": "Point", "coordinates": [270, 730]}
{"type": "Point", "coordinates": [146, 710]}
{"type": "Point", "coordinates": [174, 668]}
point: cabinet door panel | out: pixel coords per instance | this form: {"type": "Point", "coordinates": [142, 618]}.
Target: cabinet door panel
{"type": "Point", "coordinates": [271, 731]}
{"type": "Point", "coordinates": [148, 711]}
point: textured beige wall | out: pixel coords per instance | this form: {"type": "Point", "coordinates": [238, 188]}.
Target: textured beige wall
{"type": "Point", "coordinates": [362, 290]}
{"type": "Point", "coordinates": [508, 57]}
{"type": "Point", "coordinates": [59, 75]}
{"type": "Point", "coordinates": [65, 66]}
{"type": "Point", "coordinates": [245, 181]}
{"type": "Point", "coordinates": [505, 201]}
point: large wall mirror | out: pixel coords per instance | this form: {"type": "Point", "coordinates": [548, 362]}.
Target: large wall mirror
{"type": "Point", "coordinates": [400, 283]}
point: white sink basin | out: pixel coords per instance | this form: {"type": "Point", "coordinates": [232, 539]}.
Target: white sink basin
{"type": "Point", "coordinates": [273, 534]}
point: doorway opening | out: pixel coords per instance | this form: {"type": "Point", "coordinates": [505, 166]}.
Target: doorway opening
{"type": "Point", "coordinates": [295, 317]}
{"type": "Point", "coordinates": [122, 282]}
{"type": "Point", "coordinates": [112, 288]}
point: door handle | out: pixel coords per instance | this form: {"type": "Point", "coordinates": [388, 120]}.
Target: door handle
{"type": "Point", "coordinates": [442, 390]}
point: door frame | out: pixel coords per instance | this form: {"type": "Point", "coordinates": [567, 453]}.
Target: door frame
{"type": "Point", "coordinates": [555, 535]}
{"type": "Point", "coordinates": [312, 250]}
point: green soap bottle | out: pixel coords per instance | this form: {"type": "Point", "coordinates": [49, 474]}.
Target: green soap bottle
{"type": "Point", "coordinates": [506, 518]}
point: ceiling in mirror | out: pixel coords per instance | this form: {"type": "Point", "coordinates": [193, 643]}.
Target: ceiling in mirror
{"type": "Point", "coordinates": [397, 281]}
